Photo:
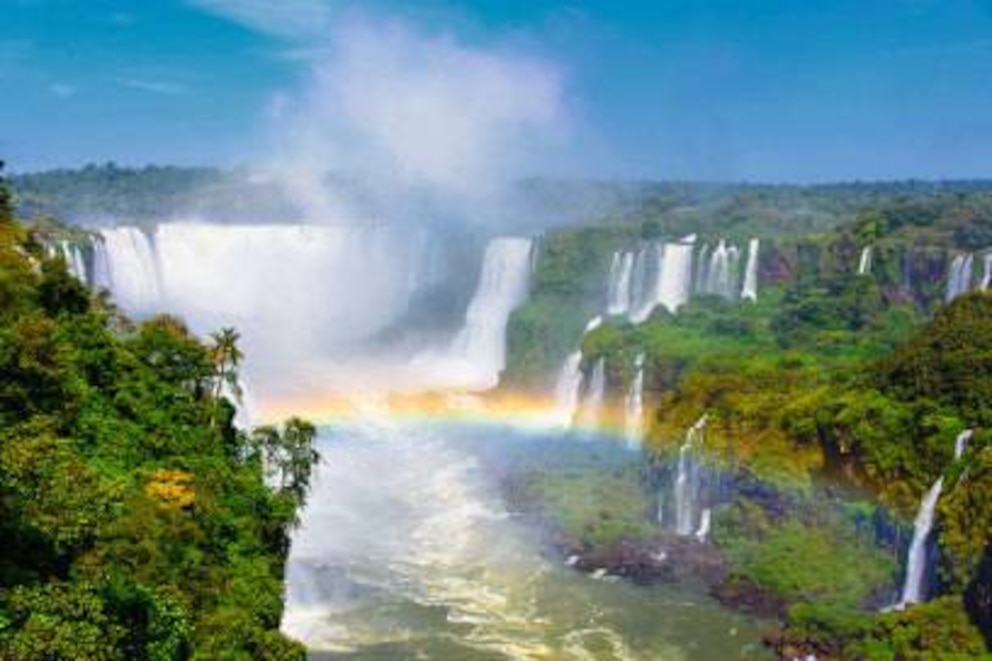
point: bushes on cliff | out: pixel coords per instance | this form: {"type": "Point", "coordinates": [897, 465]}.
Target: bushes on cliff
{"type": "Point", "coordinates": [135, 520]}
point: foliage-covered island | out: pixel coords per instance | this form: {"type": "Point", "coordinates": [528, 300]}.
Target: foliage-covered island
{"type": "Point", "coordinates": [832, 405]}
{"type": "Point", "coordinates": [135, 519]}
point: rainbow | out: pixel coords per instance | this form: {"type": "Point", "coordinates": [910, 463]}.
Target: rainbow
{"type": "Point", "coordinates": [492, 408]}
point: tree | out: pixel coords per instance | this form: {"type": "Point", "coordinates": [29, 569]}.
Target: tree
{"type": "Point", "coordinates": [226, 358]}
{"type": "Point", "coordinates": [289, 455]}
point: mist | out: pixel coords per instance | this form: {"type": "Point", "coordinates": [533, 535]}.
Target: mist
{"type": "Point", "coordinates": [415, 123]}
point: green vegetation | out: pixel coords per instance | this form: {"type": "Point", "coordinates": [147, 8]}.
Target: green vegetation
{"type": "Point", "coordinates": [593, 508]}
{"type": "Point", "coordinates": [135, 520]}
{"type": "Point", "coordinates": [859, 381]}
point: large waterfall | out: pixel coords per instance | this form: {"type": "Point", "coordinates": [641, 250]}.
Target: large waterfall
{"type": "Point", "coordinates": [634, 405]}
{"type": "Point", "coordinates": [914, 587]}
{"type": "Point", "coordinates": [749, 292]}
{"type": "Point", "coordinates": [478, 353]}
{"type": "Point", "coordinates": [302, 296]}
{"type": "Point", "coordinates": [987, 270]}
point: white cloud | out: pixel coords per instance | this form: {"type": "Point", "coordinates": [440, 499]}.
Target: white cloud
{"type": "Point", "coordinates": [164, 87]}
{"type": "Point", "coordinates": [287, 18]}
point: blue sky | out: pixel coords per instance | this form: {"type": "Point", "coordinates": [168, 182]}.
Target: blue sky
{"type": "Point", "coordinates": [719, 89]}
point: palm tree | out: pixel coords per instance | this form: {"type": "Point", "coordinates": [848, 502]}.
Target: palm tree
{"type": "Point", "coordinates": [226, 358]}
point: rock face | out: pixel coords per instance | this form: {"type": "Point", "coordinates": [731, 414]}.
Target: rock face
{"type": "Point", "coordinates": [665, 558]}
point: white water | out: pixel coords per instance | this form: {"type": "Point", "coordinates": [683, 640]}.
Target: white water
{"type": "Point", "coordinates": [705, 520]}
{"type": "Point", "coordinates": [959, 276]}
{"type": "Point", "coordinates": [722, 274]}
{"type": "Point", "coordinates": [749, 292]}
{"type": "Point", "coordinates": [569, 383]}
{"type": "Point", "coordinates": [961, 443]}
{"type": "Point", "coordinates": [634, 405]}
{"type": "Point", "coordinates": [478, 353]}
{"type": "Point", "coordinates": [592, 404]}
{"type": "Point", "coordinates": [687, 489]}
{"type": "Point", "coordinates": [619, 293]}
{"type": "Point", "coordinates": [304, 296]}
{"type": "Point", "coordinates": [406, 550]}
{"type": "Point", "coordinates": [917, 561]}
{"type": "Point", "coordinates": [864, 263]}
{"type": "Point", "coordinates": [131, 270]}
{"type": "Point", "coordinates": [675, 282]}
{"type": "Point", "coordinates": [73, 260]}
{"type": "Point", "coordinates": [987, 270]}
{"type": "Point", "coordinates": [663, 276]}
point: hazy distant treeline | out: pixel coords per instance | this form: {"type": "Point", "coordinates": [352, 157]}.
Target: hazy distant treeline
{"type": "Point", "coordinates": [109, 193]}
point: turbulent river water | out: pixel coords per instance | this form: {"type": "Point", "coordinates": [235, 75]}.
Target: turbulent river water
{"type": "Point", "coordinates": [408, 549]}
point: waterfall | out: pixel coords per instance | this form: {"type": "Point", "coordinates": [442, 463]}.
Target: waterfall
{"type": "Point", "coordinates": [569, 382]}
{"type": "Point", "coordinates": [916, 564]}
{"type": "Point", "coordinates": [700, 283]}
{"type": "Point", "coordinates": [912, 591]}
{"type": "Point", "coordinates": [675, 281]}
{"type": "Point", "coordinates": [987, 271]}
{"type": "Point", "coordinates": [643, 293]}
{"type": "Point", "coordinates": [567, 389]}
{"type": "Point", "coordinates": [961, 443]}
{"type": "Point", "coordinates": [634, 405]}
{"type": "Point", "coordinates": [688, 481]}
{"type": "Point", "coordinates": [74, 261]}
{"type": "Point", "coordinates": [749, 292]}
{"type": "Point", "coordinates": [132, 273]}
{"type": "Point", "coordinates": [703, 531]}
{"type": "Point", "coordinates": [481, 344]}
{"type": "Point", "coordinates": [592, 406]}
{"type": "Point", "coordinates": [959, 276]}
{"type": "Point", "coordinates": [619, 296]}
{"type": "Point", "coordinates": [864, 264]}
{"type": "Point", "coordinates": [303, 297]}
{"type": "Point", "coordinates": [722, 274]}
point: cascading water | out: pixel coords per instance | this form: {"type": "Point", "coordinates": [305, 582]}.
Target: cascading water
{"type": "Point", "coordinates": [302, 296]}
{"type": "Point", "coordinates": [74, 261]}
{"type": "Point", "coordinates": [749, 292]}
{"type": "Point", "coordinates": [959, 276]}
{"type": "Point", "coordinates": [914, 589]}
{"type": "Point", "coordinates": [702, 269]}
{"type": "Point", "coordinates": [864, 264]}
{"type": "Point", "coordinates": [721, 277]}
{"type": "Point", "coordinates": [621, 270]}
{"type": "Point", "coordinates": [634, 405]}
{"type": "Point", "coordinates": [667, 278]}
{"type": "Point", "coordinates": [987, 270]}
{"type": "Point", "coordinates": [675, 282]}
{"type": "Point", "coordinates": [592, 405]}
{"type": "Point", "coordinates": [705, 520]}
{"type": "Point", "coordinates": [916, 564]}
{"type": "Point", "coordinates": [132, 269]}
{"type": "Point", "coordinates": [479, 349]}
{"type": "Point", "coordinates": [569, 382]}
{"type": "Point", "coordinates": [688, 481]}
